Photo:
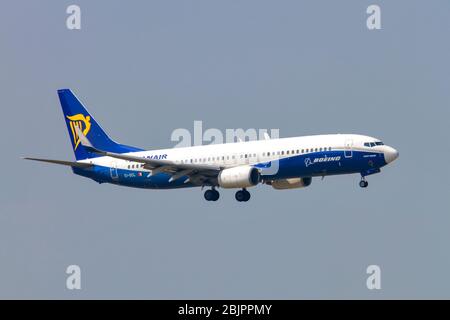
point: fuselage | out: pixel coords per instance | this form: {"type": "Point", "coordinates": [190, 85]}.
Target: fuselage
{"type": "Point", "coordinates": [306, 156]}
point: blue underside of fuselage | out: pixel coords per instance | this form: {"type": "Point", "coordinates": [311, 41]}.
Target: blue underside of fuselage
{"type": "Point", "coordinates": [305, 165]}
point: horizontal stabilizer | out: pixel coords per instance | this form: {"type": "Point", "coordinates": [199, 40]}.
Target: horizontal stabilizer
{"type": "Point", "coordinates": [64, 163]}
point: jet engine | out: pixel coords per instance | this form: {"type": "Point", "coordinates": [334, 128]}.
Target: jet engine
{"type": "Point", "coordinates": [239, 177]}
{"type": "Point", "coordinates": [291, 183]}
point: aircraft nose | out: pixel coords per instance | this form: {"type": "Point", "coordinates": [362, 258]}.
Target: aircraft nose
{"type": "Point", "coordinates": [390, 154]}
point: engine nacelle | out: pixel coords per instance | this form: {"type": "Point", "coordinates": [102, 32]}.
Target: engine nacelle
{"type": "Point", "coordinates": [239, 177]}
{"type": "Point", "coordinates": [291, 183]}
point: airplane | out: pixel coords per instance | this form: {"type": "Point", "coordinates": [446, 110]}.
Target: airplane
{"type": "Point", "coordinates": [284, 163]}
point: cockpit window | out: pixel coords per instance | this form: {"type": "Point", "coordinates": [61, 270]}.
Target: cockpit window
{"type": "Point", "coordinates": [373, 144]}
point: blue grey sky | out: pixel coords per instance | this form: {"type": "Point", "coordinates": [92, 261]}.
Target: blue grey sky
{"type": "Point", "coordinates": [145, 68]}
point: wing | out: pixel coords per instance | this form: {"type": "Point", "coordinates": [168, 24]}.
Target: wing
{"type": "Point", "coordinates": [199, 174]}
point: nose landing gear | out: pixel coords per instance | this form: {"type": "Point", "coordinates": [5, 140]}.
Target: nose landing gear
{"type": "Point", "coordinates": [242, 195]}
{"type": "Point", "coordinates": [211, 195]}
{"type": "Point", "coordinates": [363, 183]}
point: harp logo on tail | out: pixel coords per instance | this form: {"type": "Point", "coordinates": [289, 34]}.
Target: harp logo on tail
{"type": "Point", "coordinates": [83, 123]}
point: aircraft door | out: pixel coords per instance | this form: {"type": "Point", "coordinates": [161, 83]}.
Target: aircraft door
{"type": "Point", "coordinates": [348, 152]}
{"type": "Point", "coordinates": [113, 171]}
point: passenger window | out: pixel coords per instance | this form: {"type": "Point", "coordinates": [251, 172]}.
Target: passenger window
{"type": "Point", "coordinates": [287, 152]}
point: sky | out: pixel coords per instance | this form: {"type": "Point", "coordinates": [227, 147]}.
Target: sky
{"type": "Point", "coordinates": [147, 68]}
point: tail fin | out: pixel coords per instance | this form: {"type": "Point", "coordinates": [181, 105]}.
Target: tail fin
{"type": "Point", "coordinates": [76, 115]}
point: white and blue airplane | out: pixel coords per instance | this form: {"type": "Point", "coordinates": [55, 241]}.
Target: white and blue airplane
{"type": "Point", "coordinates": [285, 163]}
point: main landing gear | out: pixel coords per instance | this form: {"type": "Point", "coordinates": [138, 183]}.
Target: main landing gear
{"type": "Point", "coordinates": [363, 183]}
{"type": "Point", "coordinates": [212, 195]}
{"type": "Point", "coordinates": [242, 195]}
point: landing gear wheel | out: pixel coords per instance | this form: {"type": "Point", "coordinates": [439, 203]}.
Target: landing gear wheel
{"type": "Point", "coordinates": [239, 196]}
{"type": "Point", "coordinates": [211, 195]}
{"type": "Point", "coordinates": [247, 195]}
{"type": "Point", "coordinates": [363, 184]}
{"type": "Point", "coordinates": [242, 195]}
{"type": "Point", "coordinates": [216, 194]}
